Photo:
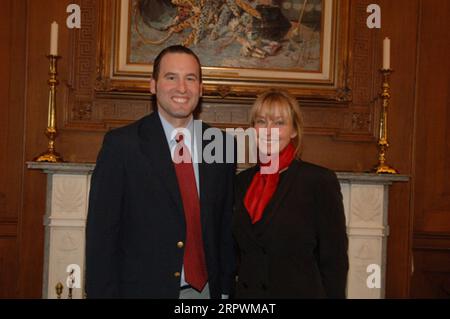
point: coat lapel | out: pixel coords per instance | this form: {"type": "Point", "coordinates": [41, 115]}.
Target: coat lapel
{"type": "Point", "coordinates": [272, 207]}
{"type": "Point", "coordinates": [245, 219]}
{"type": "Point", "coordinates": [154, 146]}
{"type": "Point", "coordinates": [206, 176]}
{"type": "Point", "coordinates": [280, 193]}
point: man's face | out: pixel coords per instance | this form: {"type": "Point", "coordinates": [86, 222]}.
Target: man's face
{"type": "Point", "coordinates": [178, 87]}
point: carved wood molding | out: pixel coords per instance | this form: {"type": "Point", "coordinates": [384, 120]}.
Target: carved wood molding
{"type": "Point", "coordinates": [431, 241]}
{"type": "Point", "coordinates": [8, 228]}
{"type": "Point", "coordinates": [83, 67]}
{"type": "Point", "coordinates": [2, 203]}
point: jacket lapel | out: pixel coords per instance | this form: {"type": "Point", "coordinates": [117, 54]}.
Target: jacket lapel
{"type": "Point", "coordinates": [206, 173]}
{"type": "Point", "coordinates": [154, 146]}
{"type": "Point", "coordinates": [282, 190]}
{"type": "Point", "coordinates": [246, 222]}
{"type": "Point", "coordinates": [272, 207]}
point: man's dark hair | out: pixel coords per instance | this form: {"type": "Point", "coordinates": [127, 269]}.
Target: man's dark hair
{"type": "Point", "coordinates": [174, 49]}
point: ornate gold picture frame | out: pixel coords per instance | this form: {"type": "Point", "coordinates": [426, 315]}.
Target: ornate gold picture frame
{"type": "Point", "coordinates": [245, 46]}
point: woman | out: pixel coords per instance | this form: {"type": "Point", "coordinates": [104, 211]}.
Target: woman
{"type": "Point", "coordinates": [289, 225]}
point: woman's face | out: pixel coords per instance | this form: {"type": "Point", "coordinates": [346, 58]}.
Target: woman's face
{"type": "Point", "coordinates": [274, 129]}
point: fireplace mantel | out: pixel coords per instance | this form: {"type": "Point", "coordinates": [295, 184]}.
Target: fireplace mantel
{"type": "Point", "coordinates": [365, 202]}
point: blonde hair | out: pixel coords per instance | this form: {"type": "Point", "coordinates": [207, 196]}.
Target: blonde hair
{"type": "Point", "coordinates": [274, 101]}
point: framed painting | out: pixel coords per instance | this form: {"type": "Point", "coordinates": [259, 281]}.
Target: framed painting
{"type": "Point", "coordinates": [245, 46]}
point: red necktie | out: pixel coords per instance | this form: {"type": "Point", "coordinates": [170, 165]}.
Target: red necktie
{"type": "Point", "coordinates": [194, 255]}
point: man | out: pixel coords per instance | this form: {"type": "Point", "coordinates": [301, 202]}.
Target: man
{"type": "Point", "coordinates": [158, 228]}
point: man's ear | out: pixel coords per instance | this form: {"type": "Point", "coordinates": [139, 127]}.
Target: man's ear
{"type": "Point", "coordinates": [153, 86]}
{"type": "Point", "coordinates": [201, 88]}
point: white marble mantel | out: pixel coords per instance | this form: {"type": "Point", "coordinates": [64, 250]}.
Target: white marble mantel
{"type": "Point", "coordinates": [365, 202]}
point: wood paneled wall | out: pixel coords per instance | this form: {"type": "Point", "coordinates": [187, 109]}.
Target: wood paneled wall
{"type": "Point", "coordinates": [431, 186]}
{"type": "Point", "coordinates": [12, 110]}
{"type": "Point", "coordinates": [417, 119]}
{"type": "Point", "coordinates": [400, 24]}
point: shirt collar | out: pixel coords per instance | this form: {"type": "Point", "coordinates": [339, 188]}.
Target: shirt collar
{"type": "Point", "coordinates": [171, 131]}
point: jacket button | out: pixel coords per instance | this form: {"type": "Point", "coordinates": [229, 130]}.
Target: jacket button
{"type": "Point", "coordinates": [177, 274]}
{"type": "Point", "coordinates": [180, 244]}
{"type": "Point", "coordinates": [263, 287]}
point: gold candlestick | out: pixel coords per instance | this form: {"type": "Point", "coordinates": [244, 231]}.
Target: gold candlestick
{"type": "Point", "coordinates": [59, 289]}
{"type": "Point", "coordinates": [382, 167]}
{"type": "Point", "coordinates": [51, 155]}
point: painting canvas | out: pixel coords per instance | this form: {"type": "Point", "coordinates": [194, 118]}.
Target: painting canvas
{"type": "Point", "coordinates": [278, 34]}
{"type": "Point", "coordinates": [239, 42]}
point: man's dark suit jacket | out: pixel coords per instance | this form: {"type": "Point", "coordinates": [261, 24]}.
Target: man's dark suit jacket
{"type": "Point", "coordinates": [136, 218]}
{"type": "Point", "coordinates": [299, 248]}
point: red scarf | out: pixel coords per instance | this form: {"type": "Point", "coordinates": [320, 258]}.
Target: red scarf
{"type": "Point", "coordinates": [263, 186]}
